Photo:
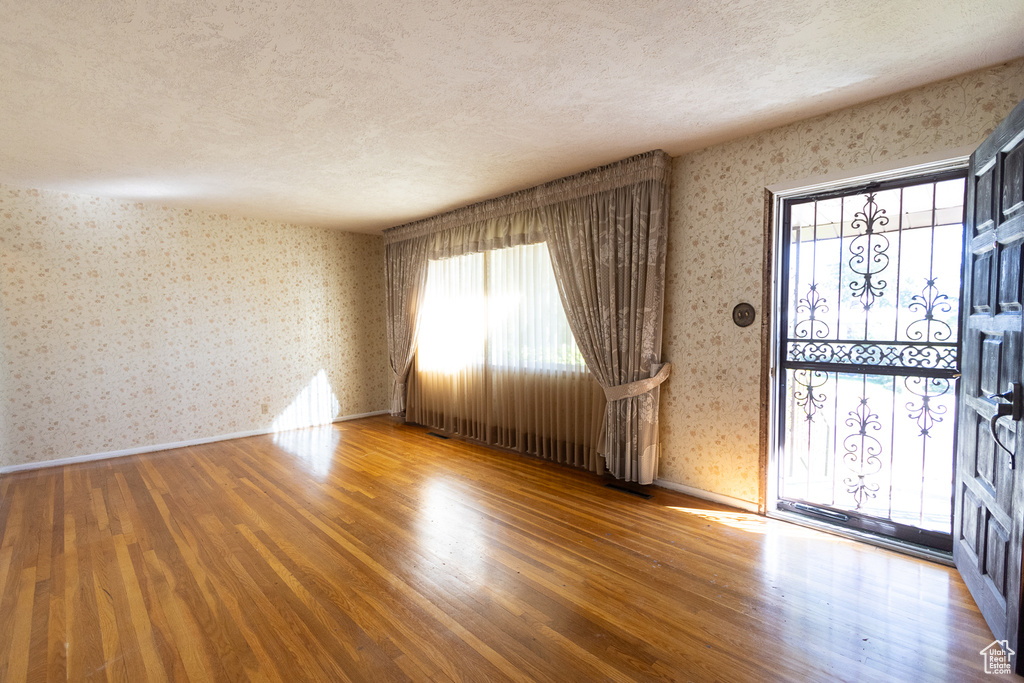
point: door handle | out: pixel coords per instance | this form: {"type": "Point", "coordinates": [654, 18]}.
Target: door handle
{"type": "Point", "coordinates": [1009, 404]}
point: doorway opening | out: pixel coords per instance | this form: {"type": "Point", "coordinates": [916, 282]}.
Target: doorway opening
{"type": "Point", "coordinates": [868, 308]}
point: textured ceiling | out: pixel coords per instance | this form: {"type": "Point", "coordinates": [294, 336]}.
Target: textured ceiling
{"type": "Point", "coordinates": [362, 115]}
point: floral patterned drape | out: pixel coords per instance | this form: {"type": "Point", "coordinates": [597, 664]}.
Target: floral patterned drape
{"type": "Point", "coordinates": [608, 252]}
{"type": "Point", "coordinates": [406, 273]}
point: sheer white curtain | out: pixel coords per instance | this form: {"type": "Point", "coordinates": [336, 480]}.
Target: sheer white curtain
{"type": "Point", "coordinates": [453, 315]}
{"type": "Point", "coordinates": [496, 360]}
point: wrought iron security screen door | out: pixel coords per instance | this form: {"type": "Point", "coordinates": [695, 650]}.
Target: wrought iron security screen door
{"type": "Point", "coordinates": [869, 356]}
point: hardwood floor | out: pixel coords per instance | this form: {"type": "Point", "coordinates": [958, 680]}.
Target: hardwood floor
{"type": "Point", "coordinates": [369, 550]}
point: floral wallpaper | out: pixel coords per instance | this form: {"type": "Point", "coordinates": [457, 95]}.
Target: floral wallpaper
{"type": "Point", "coordinates": [710, 407]}
{"type": "Point", "coordinates": [129, 325]}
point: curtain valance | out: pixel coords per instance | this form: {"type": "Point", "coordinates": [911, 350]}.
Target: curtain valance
{"type": "Point", "coordinates": [649, 166]}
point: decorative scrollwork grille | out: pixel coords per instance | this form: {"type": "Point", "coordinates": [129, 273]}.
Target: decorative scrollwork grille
{"type": "Point", "coordinates": [870, 350]}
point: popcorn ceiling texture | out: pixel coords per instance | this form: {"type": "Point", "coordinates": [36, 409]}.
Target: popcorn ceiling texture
{"type": "Point", "coordinates": [127, 325]}
{"type": "Point", "coordinates": [365, 115]}
{"type": "Point", "coordinates": [710, 407]}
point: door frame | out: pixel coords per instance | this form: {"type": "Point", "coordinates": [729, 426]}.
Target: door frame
{"type": "Point", "coordinates": [771, 335]}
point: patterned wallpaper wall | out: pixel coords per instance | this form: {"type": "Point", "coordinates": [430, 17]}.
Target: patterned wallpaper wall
{"type": "Point", "coordinates": [710, 406]}
{"type": "Point", "coordinates": [129, 325]}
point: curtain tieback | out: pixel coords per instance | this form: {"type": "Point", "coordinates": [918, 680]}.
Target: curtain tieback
{"type": "Point", "coordinates": [642, 386]}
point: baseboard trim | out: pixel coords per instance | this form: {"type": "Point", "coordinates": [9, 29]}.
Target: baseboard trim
{"type": "Point", "coordinates": [708, 495]}
{"type": "Point", "coordinates": [75, 459]}
{"type": "Point", "coordinates": [358, 416]}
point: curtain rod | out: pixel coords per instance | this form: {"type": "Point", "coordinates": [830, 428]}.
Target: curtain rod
{"type": "Point", "coordinates": [652, 165]}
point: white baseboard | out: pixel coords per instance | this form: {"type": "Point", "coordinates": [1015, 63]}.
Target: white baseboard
{"type": "Point", "coordinates": [708, 495]}
{"type": "Point", "coordinates": [162, 447]}
{"type": "Point", "coordinates": [372, 413]}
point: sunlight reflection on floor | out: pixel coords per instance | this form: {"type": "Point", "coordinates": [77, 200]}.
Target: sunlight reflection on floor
{"type": "Point", "coordinates": [450, 530]}
{"type": "Point", "coordinates": [304, 427]}
{"type": "Point", "coordinates": [745, 521]}
{"type": "Point", "coordinates": [752, 523]}
{"type": "Point", "coordinates": [313, 446]}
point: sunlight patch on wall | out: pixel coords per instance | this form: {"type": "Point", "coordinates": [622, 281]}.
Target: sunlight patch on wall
{"type": "Point", "coordinates": [315, 405]}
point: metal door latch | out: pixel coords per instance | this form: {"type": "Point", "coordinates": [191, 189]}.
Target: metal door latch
{"type": "Point", "coordinates": [1009, 404]}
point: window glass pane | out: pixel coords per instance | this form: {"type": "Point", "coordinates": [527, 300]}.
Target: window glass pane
{"type": "Point", "coordinates": [527, 324]}
{"type": "Point", "coordinates": [453, 315]}
{"type": "Point", "coordinates": [501, 306]}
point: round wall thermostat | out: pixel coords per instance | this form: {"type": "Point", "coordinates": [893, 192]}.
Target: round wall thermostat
{"type": "Point", "coordinates": [743, 314]}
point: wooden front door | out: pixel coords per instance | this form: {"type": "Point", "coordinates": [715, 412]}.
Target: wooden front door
{"type": "Point", "coordinates": [988, 494]}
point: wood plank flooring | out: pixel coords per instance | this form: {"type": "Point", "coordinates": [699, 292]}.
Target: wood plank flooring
{"type": "Point", "coordinates": [371, 551]}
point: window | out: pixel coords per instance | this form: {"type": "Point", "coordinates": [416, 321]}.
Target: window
{"type": "Point", "coordinates": [497, 308]}
{"type": "Point", "coordinates": [497, 362]}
